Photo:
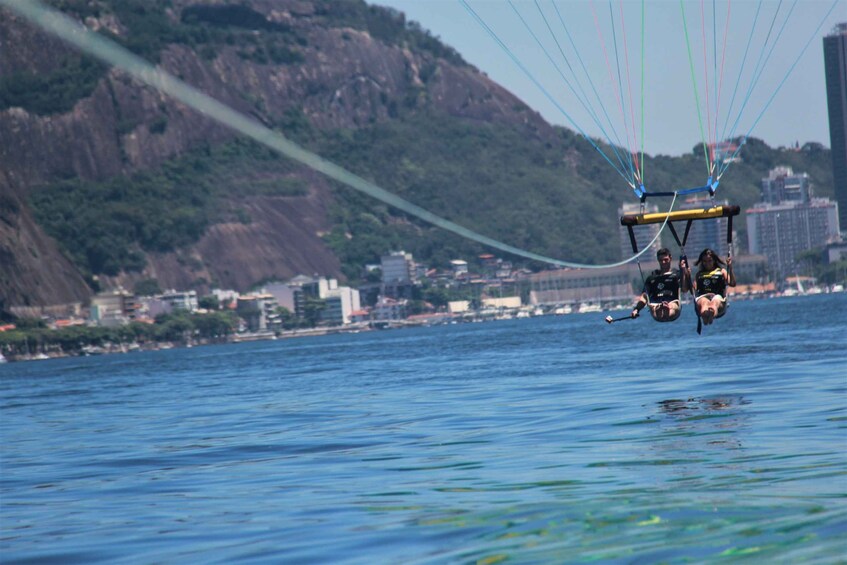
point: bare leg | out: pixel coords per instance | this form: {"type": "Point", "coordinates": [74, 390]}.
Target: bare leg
{"type": "Point", "coordinates": [705, 310]}
{"type": "Point", "coordinates": [713, 306]}
{"type": "Point", "coordinates": [673, 307]}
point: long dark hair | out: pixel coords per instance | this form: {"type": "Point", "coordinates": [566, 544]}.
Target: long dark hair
{"type": "Point", "coordinates": [715, 257]}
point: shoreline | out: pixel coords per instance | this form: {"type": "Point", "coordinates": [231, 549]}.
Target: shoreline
{"type": "Point", "coordinates": [425, 320]}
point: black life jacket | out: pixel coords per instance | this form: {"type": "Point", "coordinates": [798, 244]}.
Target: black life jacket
{"type": "Point", "coordinates": [711, 282]}
{"type": "Point", "coordinates": [662, 287]}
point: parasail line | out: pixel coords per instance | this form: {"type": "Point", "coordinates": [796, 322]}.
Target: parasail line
{"type": "Point", "coordinates": [94, 44]}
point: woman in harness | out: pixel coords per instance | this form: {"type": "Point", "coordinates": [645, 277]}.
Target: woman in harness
{"type": "Point", "coordinates": [710, 285]}
{"type": "Point", "coordinates": [662, 288]}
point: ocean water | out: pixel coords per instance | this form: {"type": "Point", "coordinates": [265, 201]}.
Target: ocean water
{"type": "Point", "coordinates": [553, 439]}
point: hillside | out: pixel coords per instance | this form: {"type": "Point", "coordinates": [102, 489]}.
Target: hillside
{"type": "Point", "coordinates": [104, 181]}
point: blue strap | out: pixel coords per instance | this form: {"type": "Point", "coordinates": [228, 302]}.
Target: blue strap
{"type": "Point", "coordinates": [710, 186]}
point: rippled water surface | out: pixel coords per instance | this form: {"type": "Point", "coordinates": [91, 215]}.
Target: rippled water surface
{"type": "Point", "coordinates": [554, 439]}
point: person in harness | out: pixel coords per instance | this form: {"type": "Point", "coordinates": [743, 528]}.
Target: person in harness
{"type": "Point", "coordinates": [662, 289]}
{"type": "Point", "coordinates": [710, 285]}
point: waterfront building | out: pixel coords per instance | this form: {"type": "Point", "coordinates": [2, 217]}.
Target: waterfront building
{"type": "Point", "coordinates": [387, 309]}
{"type": "Point", "coordinates": [360, 316]}
{"type": "Point", "coordinates": [226, 297]}
{"type": "Point", "coordinates": [505, 302]}
{"type": "Point", "coordinates": [318, 287]}
{"type": "Point", "coordinates": [749, 269]}
{"type": "Point", "coordinates": [458, 306]}
{"type": "Point", "coordinates": [341, 302]}
{"type": "Point", "coordinates": [574, 286]}
{"type": "Point", "coordinates": [835, 69]}
{"type": "Point", "coordinates": [258, 311]}
{"type": "Point", "coordinates": [113, 308]}
{"type": "Point", "coordinates": [284, 294]}
{"type": "Point", "coordinates": [181, 300]}
{"type": "Point", "coordinates": [783, 231]}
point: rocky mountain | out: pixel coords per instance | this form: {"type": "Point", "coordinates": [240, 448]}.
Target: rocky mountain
{"type": "Point", "coordinates": [106, 182]}
{"type": "Point", "coordinates": [344, 78]}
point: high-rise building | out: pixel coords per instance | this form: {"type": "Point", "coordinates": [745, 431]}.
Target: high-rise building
{"type": "Point", "coordinates": [398, 267]}
{"type": "Point", "coordinates": [783, 231]}
{"type": "Point", "coordinates": [782, 185]}
{"type": "Point", "coordinates": [339, 301]}
{"type": "Point", "coordinates": [398, 274]}
{"type": "Point", "coordinates": [789, 221]}
{"type": "Point", "coordinates": [835, 68]}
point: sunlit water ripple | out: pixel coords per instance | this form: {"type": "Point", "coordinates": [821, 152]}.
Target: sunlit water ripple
{"type": "Point", "coordinates": [555, 439]}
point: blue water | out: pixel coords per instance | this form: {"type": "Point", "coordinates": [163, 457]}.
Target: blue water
{"type": "Point", "coordinates": [554, 439]}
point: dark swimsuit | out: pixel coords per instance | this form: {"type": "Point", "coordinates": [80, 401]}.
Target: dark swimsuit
{"type": "Point", "coordinates": [712, 282]}
{"type": "Point", "coordinates": [662, 287]}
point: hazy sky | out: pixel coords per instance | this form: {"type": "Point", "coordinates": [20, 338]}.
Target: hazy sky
{"type": "Point", "coordinates": [670, 119]}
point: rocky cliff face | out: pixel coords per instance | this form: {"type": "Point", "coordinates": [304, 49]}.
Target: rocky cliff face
{"type": "Point", "coordinates": [345, 79]}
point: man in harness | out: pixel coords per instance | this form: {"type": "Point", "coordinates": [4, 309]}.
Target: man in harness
{"type": "Point", "coordinates": [662, 289]}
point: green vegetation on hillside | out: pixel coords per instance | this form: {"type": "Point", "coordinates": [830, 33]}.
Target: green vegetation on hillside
{"type": "Point", "coordinates": [74, 78]}
{"type": "Point", "coordinates": [148, 30]}
{"type": "Point", "coordinates": [106, 227]}
{"type": "Point", "coordinates": [493, 179]}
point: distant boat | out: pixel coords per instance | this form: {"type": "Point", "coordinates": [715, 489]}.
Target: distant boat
{"type": "Point", "coordinates": [2, 359]}
{"type": "Point", "coordinates": [588, 307]}
{"type": "Point", "coordinates": [800, 288]}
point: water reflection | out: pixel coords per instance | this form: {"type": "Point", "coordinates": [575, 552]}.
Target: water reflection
{"type": "Point", "coordinates": [709, 431]}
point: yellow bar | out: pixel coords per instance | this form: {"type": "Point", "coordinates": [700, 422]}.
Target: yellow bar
{"type": "Point", "coordinates": [695, 214]}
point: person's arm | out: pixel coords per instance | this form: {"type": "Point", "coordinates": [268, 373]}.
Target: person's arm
{"type": "Point", "coordinates": [642, 302]}
{"type": "Point", "coordinates": [686, 275]}
{"type": "Point", "coordinates": [730, 279]}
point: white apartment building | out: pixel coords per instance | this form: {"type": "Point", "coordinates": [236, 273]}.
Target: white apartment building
{"type": "Point", "coordinates": [341, 302]}
{"type": "Point", "coordinates": [782, 185]}
{"type": "Point", "coordinates": [783, 231]}
{"type": "Point", "coordinates": [571, 286]}
{"type": "Point", "coordinates": [181, 300]}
